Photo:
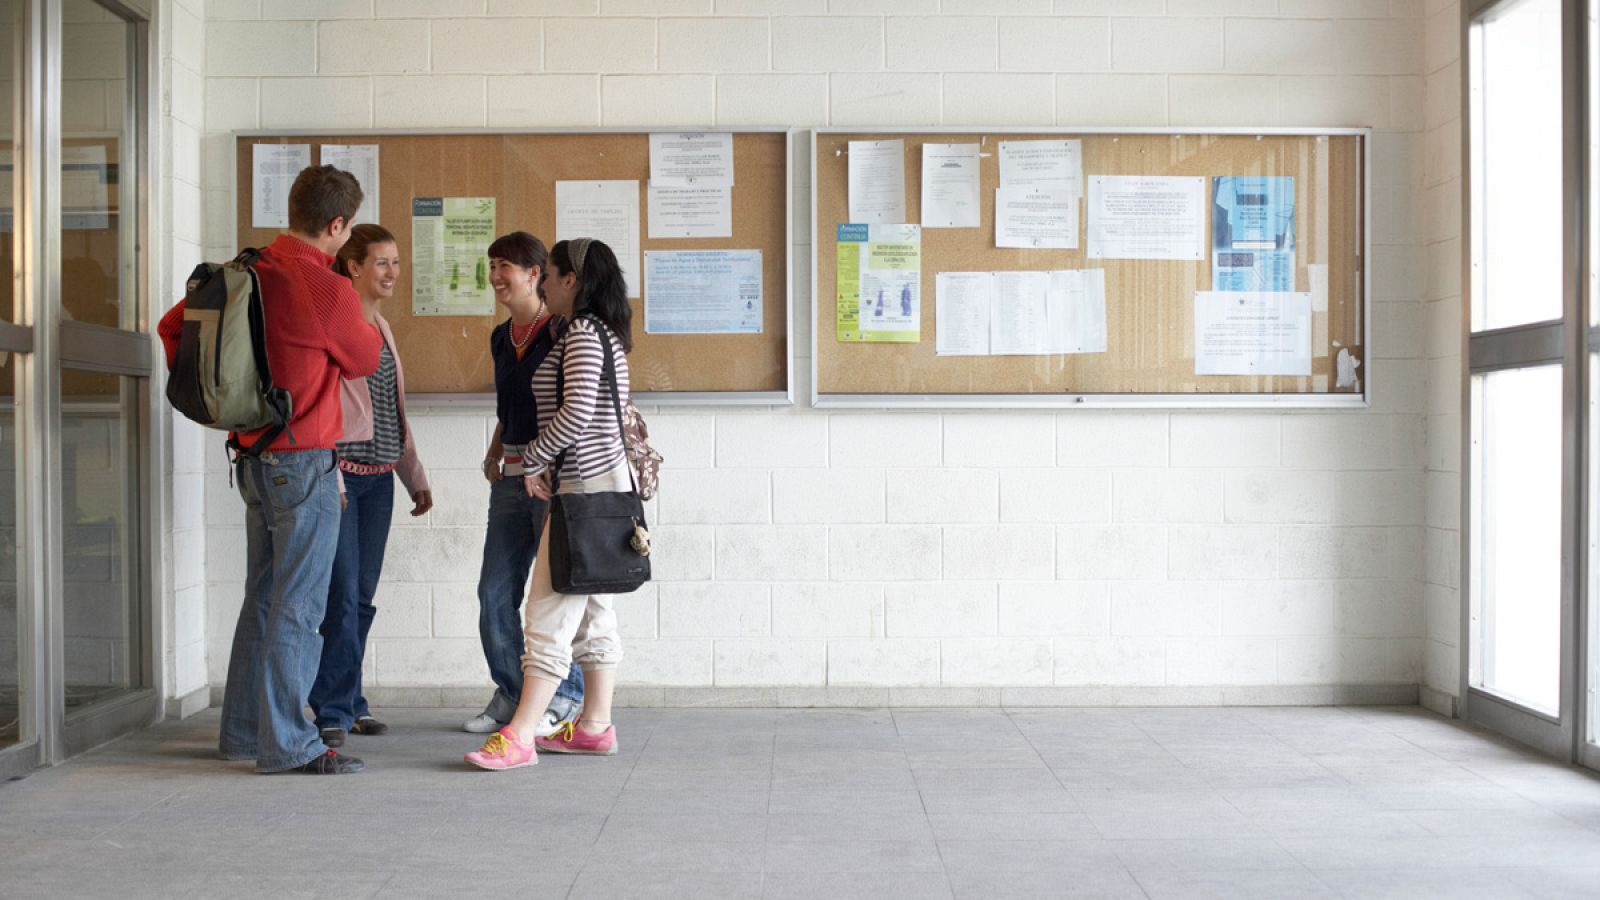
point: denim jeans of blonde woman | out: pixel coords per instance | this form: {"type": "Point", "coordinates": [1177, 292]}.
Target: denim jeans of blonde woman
{"type": "Point", "coordinates": [560, 628]}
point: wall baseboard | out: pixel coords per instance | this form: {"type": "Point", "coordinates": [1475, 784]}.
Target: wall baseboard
{"type": "Point", "coordinates": [197, 700]}
{"type": "Point", "coordinates": [1435, 700]}
{"type": "Point", "coordinates": [860, 697]}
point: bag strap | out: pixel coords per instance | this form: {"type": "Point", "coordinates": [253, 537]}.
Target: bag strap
{"type": "Point", "coordinates": [609, 372]}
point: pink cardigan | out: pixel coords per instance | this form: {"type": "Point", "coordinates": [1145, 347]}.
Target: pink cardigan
{"type": "Point", "coordinates": [356, 400]}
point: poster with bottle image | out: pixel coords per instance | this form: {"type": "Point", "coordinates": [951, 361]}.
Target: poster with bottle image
{"type": "Point", "coordinates": [450, 239]}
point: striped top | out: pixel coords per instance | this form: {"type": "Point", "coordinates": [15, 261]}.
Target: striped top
{"type": "Point", "coordinates": [583, 418]}
{"type": "Point", "coordinates": [388, 442]}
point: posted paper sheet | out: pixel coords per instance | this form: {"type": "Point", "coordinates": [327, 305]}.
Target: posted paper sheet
{"type": "Point", "coordinates": [85, 187]}
{"type": "Point", "coordinates": [273, 168]}
{"type": "Point", "coordinates": [607, 211]}
{"type": "Point", "coordinates": [702, 292]}
{"type": "Point", "coordinates": [962, 301]}
{"type": "Point", "coordinates": [698, 158]}
{"type": "Point", "coordinates": [950, 186]}
{"type": "Point", "coordinates": [1239, 333]}
{"type": "Point", "coordinates": [360, 160]}
{"type": "Point", "coordinates": [1147, 217]}
{"type": "Point", "coordinates": [1042, 164]}
{"type": "Point", "coordinates": [877, 182]}
{"type": "Point", "coordinates": [1035, 218]}
{"type": "Point", "coordinates": [1020, 313]}
{"type": "Point", "coordinates": [690, 211]}
{"type": "Point", "coordinates": [879, 283]}
{"type": "Point", "coordinates": [1252, 233]}
{"type": "Point", "coordinates": [450, 239]}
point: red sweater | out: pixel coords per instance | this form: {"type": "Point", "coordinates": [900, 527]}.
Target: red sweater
{"type": "Point", "coordinates": [315, 335]}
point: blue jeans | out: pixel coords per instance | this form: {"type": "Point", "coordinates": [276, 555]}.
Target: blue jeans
{"type": "Point", "coordinates": [363, 534]}
{"type": "Point", "coordinates": [291, 522]}
{"type": "Point", "coordinates": [508, 550]}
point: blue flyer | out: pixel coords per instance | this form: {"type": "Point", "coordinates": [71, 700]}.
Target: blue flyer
{"type": "Point", "coordinates": [1252, 233]}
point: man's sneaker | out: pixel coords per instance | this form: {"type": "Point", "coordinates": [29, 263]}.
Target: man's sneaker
{"type": "Point", "coordinates": [562, 709]}
{"type": "Point", "coordinates": [331, 763]}
{"type": "Point", "coordinates": [333, 736]}
{"type": "Point", "coordinates": [369, 726]}
{"type": "Point", "coordinates": [568, 739]}
{"type": "Point", "coordinates": [501, 751]}
{"type": "Point", "coordinates": [483, 724]}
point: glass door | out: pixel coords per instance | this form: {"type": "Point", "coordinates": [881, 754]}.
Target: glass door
{"type": "Point", "coordinates": [103, 375]}
{"type": "Point", "coordinates": [1522, 444]}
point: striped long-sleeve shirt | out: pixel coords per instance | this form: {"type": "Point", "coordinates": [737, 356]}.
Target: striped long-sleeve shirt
{"type": "Point", "coordinates": [583, 421]}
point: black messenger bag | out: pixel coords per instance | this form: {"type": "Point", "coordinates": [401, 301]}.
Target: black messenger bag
{"type": "Point", "coordinates": [598, 542]}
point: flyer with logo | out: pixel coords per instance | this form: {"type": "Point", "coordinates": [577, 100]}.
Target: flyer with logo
{"type": "Point", "coordinates": [450, 239]}
{"type": "Point", "coordinates": [880, 283]}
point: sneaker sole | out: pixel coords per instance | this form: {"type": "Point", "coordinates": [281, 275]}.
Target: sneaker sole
{"type": "Point", "coordinates": [521, 765]}
{"type": "Point", "coordinates": [610, 752]}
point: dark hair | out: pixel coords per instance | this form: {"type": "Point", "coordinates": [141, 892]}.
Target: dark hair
{"type": "Point", "coordinates": [362, 237]}
{"type": "Point", "coordinates": [602, 292]}
{"type": "Point", "coordinates": [521, 248]}
{"type": "Point", "coordinates": [321, 194]}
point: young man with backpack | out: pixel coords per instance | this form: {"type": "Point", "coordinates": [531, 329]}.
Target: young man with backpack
{"type": "Point", "coordinates": [315, 334]}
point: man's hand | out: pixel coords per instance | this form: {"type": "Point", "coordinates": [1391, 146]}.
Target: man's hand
{"type": "Point", "coordinates": [423, 501]}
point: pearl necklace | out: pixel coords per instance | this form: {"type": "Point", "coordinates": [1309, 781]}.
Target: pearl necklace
{"type": "Point", "coordinates": [511, 330]}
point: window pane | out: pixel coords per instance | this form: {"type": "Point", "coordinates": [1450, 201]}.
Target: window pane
{"type": "Point", "coordinates": [97, 276]}
{"type": "Point", "coordinates": [1516, 76]}
{"type": "Point", "coordinates": [98, 462]}
{"type": "Point", "coordinates": [1516, 534]}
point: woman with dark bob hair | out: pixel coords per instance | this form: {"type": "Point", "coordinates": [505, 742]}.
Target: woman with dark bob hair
{"type": "Point", "coordinates": [579, 433]}
{"type": "Point", "coordinates": [519, 345]}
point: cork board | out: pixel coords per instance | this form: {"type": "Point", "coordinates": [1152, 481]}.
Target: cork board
{"type": "Point", "coordinates": [1149, 303]}
{"type": "Point", "coordinates": [450, 354]}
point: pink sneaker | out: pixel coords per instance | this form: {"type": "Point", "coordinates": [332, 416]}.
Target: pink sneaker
{"type": "Point", "coordinates": [501, 751]}
{"type": "Point", "coordinates": [567, 739]}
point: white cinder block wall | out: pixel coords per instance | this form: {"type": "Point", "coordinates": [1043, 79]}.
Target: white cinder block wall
{"type": "Point", "coordinates": [1443, 190]}
{"type": "Point", "coordinates": [852, 557]}
{"type": "Point", "coordinates": [180, 48]}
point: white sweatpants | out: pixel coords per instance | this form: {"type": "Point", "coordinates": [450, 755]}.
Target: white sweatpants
{"type": "Point", "coordinates": [558, 628]}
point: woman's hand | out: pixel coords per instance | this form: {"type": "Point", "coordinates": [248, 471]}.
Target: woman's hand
{"type": "Point", "coordinates": [423, 501]}
{"type": "Point", "coordinates": [491, 470]}
{"type": "Point", "coordinates": [538, 485]}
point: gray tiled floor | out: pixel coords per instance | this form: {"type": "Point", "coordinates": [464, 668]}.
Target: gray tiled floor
{"type": "Point", "coordinates": [1138, 803]}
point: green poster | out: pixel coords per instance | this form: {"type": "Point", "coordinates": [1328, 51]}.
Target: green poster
{"type": "Point", "coordinates": [880, 283]}
{"type": "Point", "coordinates": [450, 239]}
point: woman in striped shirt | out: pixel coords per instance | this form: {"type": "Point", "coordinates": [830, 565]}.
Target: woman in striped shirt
{"type": "Point", "coordinates": [375, 447]}
{"type": "Point", "coordinates": [579, 437]}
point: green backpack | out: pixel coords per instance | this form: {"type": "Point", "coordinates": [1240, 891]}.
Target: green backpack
{"type": "Point", "coordinates": [220, 376]}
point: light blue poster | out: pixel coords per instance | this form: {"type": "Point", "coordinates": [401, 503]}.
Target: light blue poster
{"type": "Point", "coordinates": [1252, 233]}
{"type": "Point", "coordinates": [702, 292]}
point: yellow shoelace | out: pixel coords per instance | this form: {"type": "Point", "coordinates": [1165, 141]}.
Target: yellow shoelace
{"type": "Point", "coordinates": [496, 745]}
{"type": "Point", "coordinates": [564, 731]}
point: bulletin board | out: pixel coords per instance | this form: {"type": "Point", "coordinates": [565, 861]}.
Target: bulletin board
{"type": "Point", "coordinates": [448, 357]}
{"type": "Point", "coordinates": [1149, 356]}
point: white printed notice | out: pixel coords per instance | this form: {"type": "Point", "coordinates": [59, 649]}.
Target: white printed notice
{"type": "Point", "coordinates": [690, 211]}
{"type": "Point", "coordinates": [360, 160]}
{"type": "Point", "coordinates": [1041, 164]}
{"type": "Point", "coordinates": [86, 179]}
{"type": "Point", "coordinates": [273, 168]}
{"type": "Point", "coordinates": [1020, 313]}
{"type": "Point", "coordinates": [950, 186]}
{"type": "Point", "coordinates": [450, 239]}
{"type": "Point", "coordinates": [877, 182]}
{"type": "Point", "coordinates": [607, 211]}
{"type": "Point", "coordinates": [1035, 218]}
{"type": "Point", "coordinates": [1147, 217]}
{"type": "Point", "coordinates": [702, 292]}
{"type": "Point", "coordinates": [1239, 333]}
{"type": "Point", "coordinates": [962, 301]}
{"type": "Point", "coordinates": [698, 158]}
{"type": "Point", "coordinates": [1077, 311]}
